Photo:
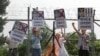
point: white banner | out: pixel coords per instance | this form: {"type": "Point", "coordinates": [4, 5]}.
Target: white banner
{"type": "Point", "coordinates": [38, 23]}
{"type": "Point", "coordinates": [38, 19]}
{"type": "Point", "coordinates": [17, 36]}
{"type": "Point", "coordinates": [85, 23]}
{"type": "Point", "coordinates": [60, 23]}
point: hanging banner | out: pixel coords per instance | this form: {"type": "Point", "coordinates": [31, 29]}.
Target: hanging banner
{"type": "Point", "coordinates": [59, 16]}
{"type": "Point", "coordinates": [38, 19]}
{"type": "Point", "coordinates": [85, 18]}
{"type": "Point", "coordinates": [18, 32]}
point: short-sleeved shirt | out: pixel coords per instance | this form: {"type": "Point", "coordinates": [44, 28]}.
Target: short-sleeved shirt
{"type": "Point", "coordinates": [82, 43]}
{"type": "Point", "coordinates": [36, 41]}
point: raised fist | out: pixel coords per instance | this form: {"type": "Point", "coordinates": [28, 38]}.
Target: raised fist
{"type": "Point", "coordinates": [73, 23]}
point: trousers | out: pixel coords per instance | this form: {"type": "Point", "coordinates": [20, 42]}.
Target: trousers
{"type": "Point", "coordinates": [36, 52]}
{"type": "Point", "coordinates": [83, 52]}
{"type": "Point", "coordinates": [12, 52]}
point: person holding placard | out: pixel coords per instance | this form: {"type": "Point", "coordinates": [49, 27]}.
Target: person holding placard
{"type": "Point", "coordinates": [82, 41]}
{"type": "Point", "coordinates": [13, 46]}
{"type": "Point", "coordinates": [60, 51]}
{"type": "Point", "coordinates": [36, 46]}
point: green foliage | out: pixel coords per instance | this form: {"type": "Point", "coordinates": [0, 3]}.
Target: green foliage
{"type": "Point", "coordinates": [3, 6]}
{"type": "Point", "coordinates": [92, 36]}
{"type": "Point", "coordinates": [3, 51]}
{"type": "Point", "coordinates": [96, 44]}
{"type": "Point", "coordinates": [45, 34]}
{"type": "Point", "coordinates": [22, 49]}
{"type": "Point", "coordinates": [71, 46]}
{"type": "Point", "coordinates": [2, 39]}
{"type": "Point", "coordinates": [2, 22]}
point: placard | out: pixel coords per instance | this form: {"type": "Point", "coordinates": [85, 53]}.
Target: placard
{"type": "Point", "coordinates": [85, 18]}
{"type": "Point", "coordinates": [59, 16]}
{"type": "Point", "coordinates": [38, 19]}
{"type": "Point", "coordinates": [18, 32]}
{"type": "Point", "coordinates": [85, 23]}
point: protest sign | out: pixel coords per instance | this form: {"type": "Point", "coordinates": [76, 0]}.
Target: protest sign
{"type": "Point", "coordinates": [59, 16]}
{"type": "Point", "coordinates": [18, 32]}
{"type": "Point", "coordinates": [38, 19]}
{"type": "Point", "coordinates": [85, 18]}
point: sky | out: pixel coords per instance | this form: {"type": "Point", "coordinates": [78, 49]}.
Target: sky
{"type": "Point", "coordinates": [18, 10]}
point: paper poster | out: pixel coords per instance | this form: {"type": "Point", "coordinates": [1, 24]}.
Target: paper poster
{"type": "Point", "coordinates": [38, 19]}
{"type": "Point", "coordinates": [85, 18]}
{"type": "Point", "coordinates": [59, 16]}
{"type": "Point", "coordinates": [18, 32]}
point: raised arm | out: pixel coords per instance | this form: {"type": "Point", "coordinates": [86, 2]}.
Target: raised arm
{"type": "Point", "coordinates": [73, 24]}
{"type": "Point", "coordinates": [63, 35]}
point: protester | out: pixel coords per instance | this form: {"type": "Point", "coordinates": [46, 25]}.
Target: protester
{"type": "Point", "coordinates": [56, 43]}
{"type": "Point", "coordinates": [82, 42]}
{"type": "Point", "coordinates": [13, 46]}
{"type": "Point", "coordinates": [60, 50]}
{"type": "Point", "coordinates": [36, 46]}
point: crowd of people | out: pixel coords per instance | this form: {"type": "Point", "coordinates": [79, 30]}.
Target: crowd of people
{"type": "Point", "coordinates": [83, 40]}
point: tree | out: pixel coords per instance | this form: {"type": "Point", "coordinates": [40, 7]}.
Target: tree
{"type": "Point", "coordinates": [2, 22]}
{"type": "Point", "coordinates": [2, 39]}
{"type": "Point", "coordinates": [3, 51]}
{"type": "Point", "coordinates": [22, 49]}
{"type": "Point", "coordinates": [46, 35]}
{"type": "Point", "coordinates": [3, 6]}
{"type": "Point", "coordinates": [97, 47]}
{"type": "Point", "coordinates": [71, 44]}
